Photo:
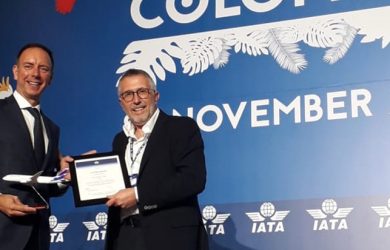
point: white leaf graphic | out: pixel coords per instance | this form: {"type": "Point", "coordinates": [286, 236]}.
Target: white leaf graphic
{"type": "Point", "coordinates": [197, 51]}
{"type": "Point", "coordinates": [286, 53]}
{"type": "Point", "coordinates": [337, 52]}
{"type": "Point", "coordinates": [255, 43]}
{"type": "Point", "coordinates": [200, 53]}
{"type": "Point", "coordinates": [325, 33]}
{"type": "Point", "coordinates": [153, 57]}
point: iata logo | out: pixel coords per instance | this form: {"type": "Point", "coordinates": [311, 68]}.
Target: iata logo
{"type": "Point", "coordinates": [97, 228]}
{"type": "Point", "coordinates": [268, 220]}
{"type": "Point", "coordinates": [56, 230]}
{"type": "Point", "coordinates": [329, 217]}
{"type": "Point", "coordinates": [212, 221]}
{"type": "Point", "coordinates": [384, 215]}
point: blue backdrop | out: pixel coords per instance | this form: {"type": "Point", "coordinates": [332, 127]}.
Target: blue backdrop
{"type": "Point", "coordinates": [292, 98]}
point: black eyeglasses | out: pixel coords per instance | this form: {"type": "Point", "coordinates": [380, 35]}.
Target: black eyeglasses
{"type": "Point", "coordinates": [142, 93]}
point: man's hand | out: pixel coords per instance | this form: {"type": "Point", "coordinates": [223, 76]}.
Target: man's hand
{"type": "Point", "coordinates": [66, 160]}
{"type": "Point", "coordinates": [124, 198]}
{"type": "Point", "coordinates": [13, 207]}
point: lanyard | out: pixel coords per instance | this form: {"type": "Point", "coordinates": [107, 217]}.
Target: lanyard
{"type": "Point", "coordinates": [138, 152]}
{"type": "Point", "coordinates": [134, 177]}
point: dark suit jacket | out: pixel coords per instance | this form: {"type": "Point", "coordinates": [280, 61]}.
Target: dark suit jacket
{"type": "Point", "coordinates": [17, 157]}
{"type": "Point", "coordinates": [172, 174]}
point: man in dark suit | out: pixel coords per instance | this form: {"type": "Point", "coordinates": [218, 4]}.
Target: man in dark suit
{"type": "Point", "coordinates": [23, 214]}
{"type": "Point", "coordinates": [166, 166]}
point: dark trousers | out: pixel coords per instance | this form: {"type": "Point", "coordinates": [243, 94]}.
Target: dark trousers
{"type": "Point", "coordinates": [133, 235]}
{"type": "Point", "coordinates": [130, 235]}
{"type": "Point", "coordinates": [33, 242]}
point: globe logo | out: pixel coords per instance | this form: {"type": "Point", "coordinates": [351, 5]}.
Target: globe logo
{"type": "Point", "coordinates": [267, 209]}
{"type": "Point", "coordinates": [52, 221]}
{"type": "Point", "coordinates": [209, 212]}
{"type": "Point", "coordinates": [329, 206]}
{"type": "Point", "coordinates": [101, 219]}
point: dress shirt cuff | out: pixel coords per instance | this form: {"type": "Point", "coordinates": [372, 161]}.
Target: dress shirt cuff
{"type": "Point", "coordinates": [63, 185]}
{"type": "Point", "coordinates": [136, 193]}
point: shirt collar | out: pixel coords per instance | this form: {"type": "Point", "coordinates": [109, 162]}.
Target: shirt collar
{"type": "Point", "coordinates": [22, 102]}
{"type": "Point", "coordinates": [128, 127]}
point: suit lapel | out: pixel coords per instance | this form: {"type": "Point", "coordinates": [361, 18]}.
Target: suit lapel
{"type": "Point", "coordinates": [153, 141]}
{"type": "Point", "coordinates": [49, 133]}
{"type": "Point", "coordinates": [17, 119]}
{"type": "Point", "coordinates": [16, 115]}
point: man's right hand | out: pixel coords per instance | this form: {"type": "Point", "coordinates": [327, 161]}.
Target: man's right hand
{"type": "Point", "coordinates": [13, 207]}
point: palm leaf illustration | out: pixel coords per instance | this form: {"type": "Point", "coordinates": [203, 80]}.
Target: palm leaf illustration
{"type": "Point", "coordinates": [335, 33]}
{"type": "Point", "coordinates": [285, 53]}
{"type": "Point", "coordinates": [254, 43]}
{"type": "Point", "coordinates": [337, 52]}
{"type": "Point", "coordinates": [154, 57]}
{"type": "Point", "coordinates": [200, 53]}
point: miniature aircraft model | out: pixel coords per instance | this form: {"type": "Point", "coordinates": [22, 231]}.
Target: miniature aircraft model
{"type": "Point", "coordinates": [37, 178]}
{"type": "Point", "coordinates": [32, 180]}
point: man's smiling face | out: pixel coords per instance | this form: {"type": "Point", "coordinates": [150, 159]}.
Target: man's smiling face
{"type": "Point", "coordinates": [33, 73]}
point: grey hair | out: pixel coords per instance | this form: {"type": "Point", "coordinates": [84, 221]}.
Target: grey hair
{"type": "Point", "coordinates": [135, 72]}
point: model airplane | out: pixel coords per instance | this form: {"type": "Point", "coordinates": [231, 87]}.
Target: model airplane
{"type": "Point", "coordinates": [37, 178]}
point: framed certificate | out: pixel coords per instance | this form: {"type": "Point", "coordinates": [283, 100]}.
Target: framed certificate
{"type": "Point", "coordinates": [94, 177]}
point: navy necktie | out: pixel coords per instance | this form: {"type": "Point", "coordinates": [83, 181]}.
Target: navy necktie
{"type": "Point", "coordinates": [39, 143]}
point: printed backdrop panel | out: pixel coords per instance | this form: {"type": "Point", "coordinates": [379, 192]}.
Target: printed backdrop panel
{"type": "Point", "coordinates": [291, 97]}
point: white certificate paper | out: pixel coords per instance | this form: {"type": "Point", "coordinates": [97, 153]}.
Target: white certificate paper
{"type": "Point", "coordinates": [96, 177]}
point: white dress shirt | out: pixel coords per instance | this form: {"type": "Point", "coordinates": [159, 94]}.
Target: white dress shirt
{"type": "Point", "coordinates": [23, 104]}
{"type": "Point", "coordinates": [139, 145]}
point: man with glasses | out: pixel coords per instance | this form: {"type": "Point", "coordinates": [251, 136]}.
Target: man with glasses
{"type": "Point", "coordinates": [166, 166]}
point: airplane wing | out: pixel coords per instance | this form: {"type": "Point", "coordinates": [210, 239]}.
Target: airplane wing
{"type": "Point", "coordinates": [27, 179]}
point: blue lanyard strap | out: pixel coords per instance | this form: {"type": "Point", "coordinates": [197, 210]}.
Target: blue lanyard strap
{"type": "Point", "coordinates": [138, 152]}
{"type": "Point", "coordinates": [133, 177]}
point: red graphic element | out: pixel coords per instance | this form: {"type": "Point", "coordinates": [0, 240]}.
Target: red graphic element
{"type": "Point", "coordinates": [64, 6]}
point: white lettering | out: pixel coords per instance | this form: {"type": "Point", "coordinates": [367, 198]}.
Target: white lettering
{"type": "Point", "coordinates": [135, 13]}
{"type": "Point", "coordinates": [261, 228]}
{"type": "Point", "coordinates": [52, 236]}
{"type": "Point", "coordinates": [279, 227]}
{"type": "Point", "coordinates": [313, 105]}
{"type": "Point", "coordinates": [323, 225]}
{"type": "Point", "coordinates": [211, 228]}
{"type": "Point", "coordinates": [222, 11]}
{"type": "Point", "coordinates": [259, 110]}
{"type": "Point", "coordinates": [186, 18]}
{"type": "Point", "coordinates": [294, 105]}
{"type": "Point", "coordinates": [315, 225]}
{"type": "Point", "coordinates": [103, 234]}
{"type": "Point", "coordinates": [360, 98]}
{"type": "Point", "coordinates": [218, 120]}
{"type": "Point", "coordinates": [298, 3]}
{"type": "Point", "coordinates": [234, 118]}
{"type": "Point", "coordinates": [333, 104]}
{"type": "Point", "coordinates": [342, 225]}
{"type": "Point", "coordinates": [220, 229]}
{"type": "Point", "coordinates": [268, 227]}
{"type": "Point", "coordinates": [332, 224]}
{"type": "Point", "coordinates": [261, 7]}
{"type": "Point", "coordinates": [384, 222]}
{"type": "Point", "coordinates": [56, 237]}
